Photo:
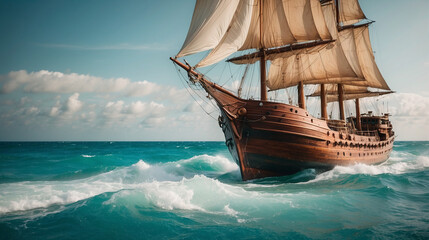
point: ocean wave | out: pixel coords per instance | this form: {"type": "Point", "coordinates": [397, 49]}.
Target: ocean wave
{"type": "Point", "coordinates": [205, 163]}
{"type": "Point", "coordinates": [399, 163]}
{"type": "Point", "coordinates": [87, 156]}
{"type": "Point", "coordinates": [162, 182]}
{"type": "Point", "coordinates": [189, 184]}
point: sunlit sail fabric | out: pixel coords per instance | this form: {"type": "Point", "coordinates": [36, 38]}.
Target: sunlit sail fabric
{"type": "Point", "coordinates": [367, 61]}
{"type": "Point", "coordinates": [333, 63]}
{"type": "Point", "coordinates": [283, 22]}
{"type": "Point", "coordinates": [209, 23]}
{"type": "Point", "coordinates": [234, 37]}
{"type": "Point", "coordinates": [350, 12]}
{"type": "Point", "coordinates": [328, 65]}
{"type": "Point", "coordinates": [350, 57]}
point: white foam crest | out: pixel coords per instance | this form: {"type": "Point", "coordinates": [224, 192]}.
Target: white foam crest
{"type": "Point", "coordinates": [390, 167]}
{"type": "Point", "coordinates": [23, 196]}
{"type": "Point", "coordinates": [207, 162]}
{"type": "Point", "coordinates": [87, 156]}
{"type": "Point", "coordinates": [145, 184]}
{"type": "Point", "coordinates": [164, 189]}
{"type": "Point", "coordinates": [141, 165]}
{"type": "Point", "coordinates": [31, 195]}
{"type": "Point", "coordinates": [229, 211]}
{"type": "Point", "coordinates": [170, 195]}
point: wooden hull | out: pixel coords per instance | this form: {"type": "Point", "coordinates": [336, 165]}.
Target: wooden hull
{"type": "Point", "coordinates": [274, 139]}
{"type": "Point", "coordinates": [288, 140]}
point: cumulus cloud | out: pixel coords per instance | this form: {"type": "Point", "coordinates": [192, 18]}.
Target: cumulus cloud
{"type": "Point", "coordinates": [151, 113]}
{"type": "Point", "coordinates": [408, 104]}
{"type": "Point", "coordinates": [68, 108]}
{"type": "Point", "coordinates": [56, 82]}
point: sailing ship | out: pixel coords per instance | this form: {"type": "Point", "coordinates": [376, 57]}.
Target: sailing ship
{"type": "Point", "coordinates": [323, 43]}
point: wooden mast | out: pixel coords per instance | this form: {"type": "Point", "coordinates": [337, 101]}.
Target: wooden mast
{"type": "Point", "coordinates": [358, 123]}
{"type": "Point", "coordinates": [341, 101]}
{"type": "Point", "coordinates": [340, 86]}
{"type": "Point", "coordinates": [324, 111]}
{"type": "Point", "coordinates": [301, 97]}
{"type": "Point", "coordinates": [263, 60]}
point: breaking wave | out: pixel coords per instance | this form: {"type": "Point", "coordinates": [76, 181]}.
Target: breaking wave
{"type": "Point", "coordinates": [193, 184]}
{"type": "Point", "coordinates": [159, 182]}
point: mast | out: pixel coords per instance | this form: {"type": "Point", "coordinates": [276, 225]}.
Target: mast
{"type": "Point", "coordinates": [358, 123]}
{"type": "Point", "coordinates": [262, 60]}
{"type": "Point", "coordinates": [341, 101]}
{"type": "Point", "coordinates": [301, 97]}
{"type": "Point", "coordinates": [263, 76]}
{"type": "Point", "coordinates": [324, 111]}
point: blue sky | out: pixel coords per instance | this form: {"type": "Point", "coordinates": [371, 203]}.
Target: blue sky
{"type": "Point", "coordinates": [99, 70]}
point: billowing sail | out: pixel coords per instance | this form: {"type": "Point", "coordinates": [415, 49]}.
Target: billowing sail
{"type": "Point", "coordinates": [209, 23]}
{"type": "Point", "coordinates": [229, 26]}
{"type": "Point", "coordinates": [366, 59]}
{"type": "Point", "coordinates": [235, 36]}
{"type": "Point", "coordinates": [327, 65]}
{"type": "Point", "coordinates": [349, 60]}
{"type": "Point", "coordinates": [350, 12]}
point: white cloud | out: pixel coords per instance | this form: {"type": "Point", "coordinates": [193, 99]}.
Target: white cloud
{"type": "Point", "coordinates": [408, 104]}
{"type": "Point", "coordinates": [68, 108]}
{"type": "Point", "coordinates": [73, 104]}
{"type": "Point", "coordinates": [56, 82]}
{"type": "Point", "coordinates": [118, 112]}
{"type": "Point", "coordinates": [142, 88]}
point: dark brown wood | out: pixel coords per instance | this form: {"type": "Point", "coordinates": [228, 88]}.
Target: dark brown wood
{"type": "Point", "coordinates": [358, 118]}
{"type": "Point", "coordinates": [301, 96]}
{"type": "Point", "coordinates": [263, 77]}
{"type": "Point", "coordinates": [341, 101]}
{"type": "Point", "coordinates": [323, 105]}
{"type": "Point", "coordinates": [283, 49]}
{"type": "Point", "coordinates": [354, 26]}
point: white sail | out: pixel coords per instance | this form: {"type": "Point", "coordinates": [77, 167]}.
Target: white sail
{"type": "Point", "coordinates": [234, 37]}
{"type": "Point", "coordinates": [283, 22]}
{"type": "Point", "coordinates": [350, 12]}
{"type": "Point", "coordinates": [332, 63]}
{"type": "Point", "coordinates": [331, 19]}
{"type": "Point", "coordinates": [209, 23]}
{"type": "Point", "coordinates": [328, 65]}
{"type": "Point", "coordinates": [366, 59]}
{"type": "Point", "coordinates": [349, 58]}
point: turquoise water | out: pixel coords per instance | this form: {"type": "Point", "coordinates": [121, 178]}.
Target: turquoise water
{"type": "Point", "coordinates": [192, 190]}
